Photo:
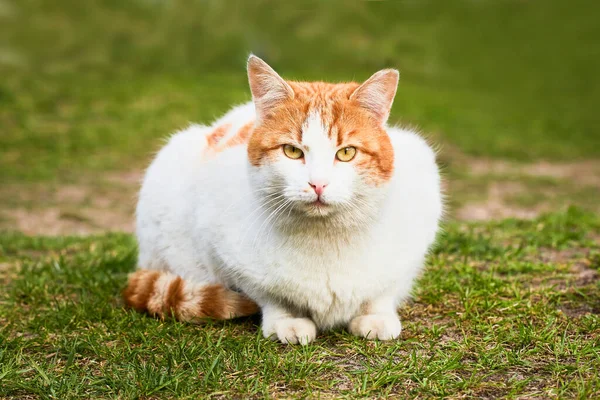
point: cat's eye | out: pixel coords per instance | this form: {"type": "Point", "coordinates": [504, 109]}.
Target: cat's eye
{"type": "Point", "coordinates": [292, 152]}
{"type": "Point", "coordinates": [346, 154]}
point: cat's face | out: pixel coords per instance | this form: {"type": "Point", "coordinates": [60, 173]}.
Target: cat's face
{"type": "Point", "coordinates": [320, 148]}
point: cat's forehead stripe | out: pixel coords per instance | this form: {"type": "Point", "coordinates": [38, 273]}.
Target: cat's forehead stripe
{"type": "Point", "coordinates": [324, 99]}
{"type": "Point", "coordinates": [315, 132]}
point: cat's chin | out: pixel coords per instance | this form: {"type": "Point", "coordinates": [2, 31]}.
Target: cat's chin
{"type": "Point", "coordinates": [318, 209]}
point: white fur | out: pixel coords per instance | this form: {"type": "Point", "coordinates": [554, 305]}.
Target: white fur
{"type": "Point", "coordinates": [220, 220]}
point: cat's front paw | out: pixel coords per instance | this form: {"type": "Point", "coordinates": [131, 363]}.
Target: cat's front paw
{"type": "Point", "coordinates": [292, 331]}
{"type": "Point", "coordinates": [374, 326]}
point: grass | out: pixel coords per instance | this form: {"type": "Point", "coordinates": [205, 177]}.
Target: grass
{"type": "Point", "coordinates": [503, 309]}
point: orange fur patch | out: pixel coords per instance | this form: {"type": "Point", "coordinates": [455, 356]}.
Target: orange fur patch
{"type": "Point", "coordinates": [215, 136]}
{"type": "Point", "coordinates": [174, 296]}
{"type": "Point", "coordinates": [184, 300]}
{"type": "Point", "coordinates": [140, 288]}
{"type": "Point", "coordinates": [241, 137]}
{"type": "Point", "coordinates": [218, 140]}
{"type": "Point", "coordinates": [220, 303]}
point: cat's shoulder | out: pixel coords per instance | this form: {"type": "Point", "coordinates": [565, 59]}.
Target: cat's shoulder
{"type": "Point", "coordinates": [232, 129]}
{"type": "Point", "coordinates": [410, 144]}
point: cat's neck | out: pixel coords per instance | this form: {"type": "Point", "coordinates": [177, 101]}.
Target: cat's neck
{"type": "Point", "coordinates": [344, 226]}
{"type": "Point", "coordinates": [340, 229]}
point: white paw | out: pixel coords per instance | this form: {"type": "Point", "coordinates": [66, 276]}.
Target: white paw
{"type": "Point", "coordinates": [382, 327]}
{"type": "Point", "coordinates": [292, 331]}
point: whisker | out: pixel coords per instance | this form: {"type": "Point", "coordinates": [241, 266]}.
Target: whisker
{"type": "Point", "coordinates": [273, 213]}
{"type": "Point", "coordinates": [266, 203]}
{"type": "Point", "coordinates": [289, 205]}
{"type": "Point", "coordinates": [272, 204]}
{"type": "Point", "coordinates": [267, 196]}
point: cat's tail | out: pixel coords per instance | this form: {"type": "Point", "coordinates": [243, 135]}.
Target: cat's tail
{"type": "Point", "coordinates": [163, 294]}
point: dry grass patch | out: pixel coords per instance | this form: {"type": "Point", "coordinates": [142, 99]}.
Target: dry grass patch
{"type": "Point", "coordinates": [94, 205]}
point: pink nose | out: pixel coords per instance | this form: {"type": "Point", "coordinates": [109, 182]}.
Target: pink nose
{"type": "Point", "coordinates": [318, 188]}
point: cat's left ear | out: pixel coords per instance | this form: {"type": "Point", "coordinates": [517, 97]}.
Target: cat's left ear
{"type": "Point", "coordinates": [377, 94]}
{"type": "Point", "coordinates": [267, 87]}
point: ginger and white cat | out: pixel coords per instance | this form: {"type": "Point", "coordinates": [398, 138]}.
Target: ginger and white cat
{"type": "Point", "coordinates": [303, 204]}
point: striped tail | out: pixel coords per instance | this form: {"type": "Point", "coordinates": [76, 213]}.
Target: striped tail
{"type": "Point", "coordinates": [163, 294]}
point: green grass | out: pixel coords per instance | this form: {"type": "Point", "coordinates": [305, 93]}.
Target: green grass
{"type": "Point", "coordinates": [502, 309]}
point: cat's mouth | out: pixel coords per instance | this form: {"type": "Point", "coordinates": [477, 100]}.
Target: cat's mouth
{"type": "Point", "coordinates": [319, 203]}
{"type": "Point", "coordinates": [318, 208]}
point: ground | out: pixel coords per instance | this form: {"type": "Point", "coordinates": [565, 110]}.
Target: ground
{"type": "Point", "coordinates": [507, 91]}
{"type": "Point", "coordinates": [503, 309]}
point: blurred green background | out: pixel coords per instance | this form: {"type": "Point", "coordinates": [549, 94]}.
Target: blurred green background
{"type": "Point", "coordinates": [91, 87]}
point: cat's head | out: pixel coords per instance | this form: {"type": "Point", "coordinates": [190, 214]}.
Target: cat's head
{"type": "Point", "coordinates": [320, 148]}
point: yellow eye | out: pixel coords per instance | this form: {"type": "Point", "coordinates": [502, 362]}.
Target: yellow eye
{"type": "Point", "coordinates": [292, 152]}
{"type": "Point", "coordinates": [346, 154]}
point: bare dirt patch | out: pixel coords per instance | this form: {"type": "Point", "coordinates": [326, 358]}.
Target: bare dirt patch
{"type": "Point", "coordinates": [583, 172]}
{"type": "Point", "coordinates": [507, 189]}
{"type": "Point", "coordinates": [496, 206]}
{"type": "Point", "coordinates": [93, 206]}
{"type": "Point", "coordinates": [579, 276]}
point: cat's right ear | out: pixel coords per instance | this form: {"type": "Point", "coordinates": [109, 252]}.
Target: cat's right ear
{"type": "Point", "coordinates": [267, 87]}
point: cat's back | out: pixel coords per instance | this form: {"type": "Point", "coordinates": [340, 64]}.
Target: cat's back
{"type": "Point", "coordinates": [199, 143]}
{"type": "Point", "coordinates": [200, 164]}
{"type": "Point", "coordinates": [194, 152]}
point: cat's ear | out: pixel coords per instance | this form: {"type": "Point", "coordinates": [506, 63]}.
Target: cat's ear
{"type": "Point", "coordinates": [377, 93]}
{"type": "Point", "coordinates": [267, 87]}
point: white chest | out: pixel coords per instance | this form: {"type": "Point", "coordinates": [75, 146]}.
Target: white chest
{"type": "Point", "coordinates": [327, 281]}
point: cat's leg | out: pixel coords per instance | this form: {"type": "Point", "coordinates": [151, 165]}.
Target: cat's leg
{"type": "Point", "coordinates": [378, 319]}
{"type": "Point", "coordinates": [280, 324]}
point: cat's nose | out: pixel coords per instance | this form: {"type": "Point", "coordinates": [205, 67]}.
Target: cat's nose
{"type": "Point", "coordinates": [318, 187]}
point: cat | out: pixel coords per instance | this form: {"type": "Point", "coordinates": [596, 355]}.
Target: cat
{"type": "Point", "coordinates": [302, 204]}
